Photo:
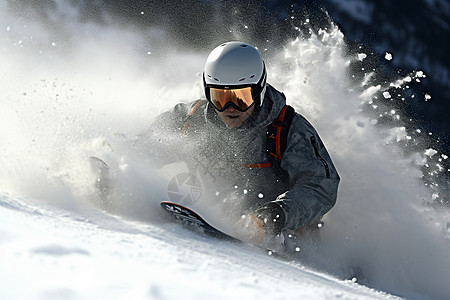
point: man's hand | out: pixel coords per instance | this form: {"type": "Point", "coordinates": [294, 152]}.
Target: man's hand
{"type": "Point", "coordinates": [273, 218]}
{"type": "Point", "coordinates": [250, 229]}
{"type": "Point", "coordinates": [266, 223]}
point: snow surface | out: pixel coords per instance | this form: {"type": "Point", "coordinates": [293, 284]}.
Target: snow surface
{"type": "Point", "coordinates": [92, 255]}
{"type": "Point", "coordinates": [89, 91]}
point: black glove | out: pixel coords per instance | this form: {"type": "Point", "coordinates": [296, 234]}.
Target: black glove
{"type": "Point", "coordinates": [273, 218]}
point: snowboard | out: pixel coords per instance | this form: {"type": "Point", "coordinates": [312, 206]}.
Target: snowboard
{"type": "Point", "coordinates": [194, 221]}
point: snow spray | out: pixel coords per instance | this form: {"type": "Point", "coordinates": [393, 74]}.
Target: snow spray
{"type": "Point", "coordinates": [382, 229]}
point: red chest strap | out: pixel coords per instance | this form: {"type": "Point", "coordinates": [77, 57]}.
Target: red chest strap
{"type": "Point", "coordinates": [277, 132]}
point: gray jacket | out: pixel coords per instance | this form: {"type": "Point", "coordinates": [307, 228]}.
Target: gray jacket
{"type": "Point", "coordinates": [306, 187]}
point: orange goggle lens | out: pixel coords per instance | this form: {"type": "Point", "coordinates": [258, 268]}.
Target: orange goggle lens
{"type": "Point", "coordinates": [241, 98]}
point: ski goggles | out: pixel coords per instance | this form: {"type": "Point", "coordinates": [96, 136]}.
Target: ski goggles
{"type": "Point", "coordinates": [239, 98]}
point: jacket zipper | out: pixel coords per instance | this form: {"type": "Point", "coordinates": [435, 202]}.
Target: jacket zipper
{"type": "Point", "coordinates": [316, 151]}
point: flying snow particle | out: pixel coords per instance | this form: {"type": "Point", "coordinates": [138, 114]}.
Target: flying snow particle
{"type": "Point", "coordinates": [420, 74]}
{"type": "Point", "coordinates": [387, 95]}
{"type": "Point", "coordinates": [430, 152]}
{"type": "Point", "coordinates": [8, 28]}
{"type": "Point", "coordinates": [297, 249]}
{"type": "Point", "coordinates": [361, 56]}
{"type": "Point", "coordinates": [53, 44]}
{"type": "Point", "coordinates": [260, 195]}
{"type": "Point", "coordinates": [427, 97]}
{"type": "Point", "coordinates": [123, 166]}
{"type": "Point", "coordinates": [388, 56]}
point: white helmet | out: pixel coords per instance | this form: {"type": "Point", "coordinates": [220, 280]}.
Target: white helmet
{"type": "Point", "coordinates": [235, 65]}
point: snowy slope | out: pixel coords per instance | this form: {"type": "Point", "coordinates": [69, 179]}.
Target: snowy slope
{"type": "Point", "coordinates": [88, 89]}
{"type": "Point", "coordinates": [90, 255]}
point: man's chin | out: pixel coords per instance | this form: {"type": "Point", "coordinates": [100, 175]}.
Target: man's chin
{"type": "Point", "coordinates": [233, 122]}
{"type": "Point", "coordinates": [234, 119]}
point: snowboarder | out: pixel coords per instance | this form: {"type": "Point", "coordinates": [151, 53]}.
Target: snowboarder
{"type": "Point", "coordinates": [263, 164]}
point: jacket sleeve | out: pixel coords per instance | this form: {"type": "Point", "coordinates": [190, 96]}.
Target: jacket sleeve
{"type": "Point", "coordinates": [164, 140]}
{"type": "Point", "coordinates": [313, 178]}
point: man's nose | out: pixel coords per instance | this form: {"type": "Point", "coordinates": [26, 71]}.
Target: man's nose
{"type": "Point", "coordinates": [230, 108]}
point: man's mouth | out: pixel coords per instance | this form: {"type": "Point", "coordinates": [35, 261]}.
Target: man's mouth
{"type": "Point", "coordinates": [233, 117]}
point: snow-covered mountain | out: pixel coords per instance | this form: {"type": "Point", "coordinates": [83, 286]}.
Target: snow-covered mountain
{"type": "Point", "coordinates": [85, 79]}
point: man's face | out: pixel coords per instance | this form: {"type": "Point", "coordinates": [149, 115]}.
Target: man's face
{"type": "Point", "coordinates": [234, 118]}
